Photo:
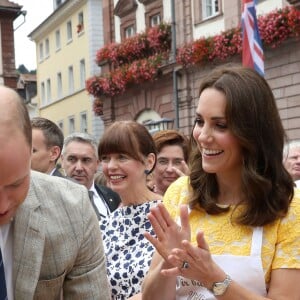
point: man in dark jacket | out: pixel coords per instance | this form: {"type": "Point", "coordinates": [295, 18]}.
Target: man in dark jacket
{"type": "Point", "coordinates": [80, 162]}
{"type": "Point", "coordinates": [47, 142]}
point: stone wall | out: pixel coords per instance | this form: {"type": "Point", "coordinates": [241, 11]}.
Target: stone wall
{"type": "Point", "coordinates": [282, 71]}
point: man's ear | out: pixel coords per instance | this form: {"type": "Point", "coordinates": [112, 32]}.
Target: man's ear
{"type": "Point", "coordinates": [54, 153]}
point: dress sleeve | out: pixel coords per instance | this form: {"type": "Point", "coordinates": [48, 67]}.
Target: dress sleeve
{"type": "Point", "coordinates": [287, 254]}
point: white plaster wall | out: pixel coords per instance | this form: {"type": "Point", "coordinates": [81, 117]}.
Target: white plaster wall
{"type": "Point", "coordinates": [167, 10]}
{"type": "Point", "coordinates": [267, 6]}
{"type": "Point", "coordinates": [207, 29]}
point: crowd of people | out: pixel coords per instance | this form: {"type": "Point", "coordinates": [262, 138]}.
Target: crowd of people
{"type": "Point", "coordinates": [138, 216]}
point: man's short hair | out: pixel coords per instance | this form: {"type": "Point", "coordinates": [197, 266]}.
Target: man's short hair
{"type": "Point", "coordinates": [82, 138]}
{"type": "Point", "coordinates": [52, 133]}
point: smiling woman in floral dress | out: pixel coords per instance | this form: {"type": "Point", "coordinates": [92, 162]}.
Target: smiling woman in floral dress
{"type": "Point", "coordinates": [127, 153]}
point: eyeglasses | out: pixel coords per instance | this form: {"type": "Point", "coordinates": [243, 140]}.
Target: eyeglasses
{"type": "Point", "coordinates": [165, 161]}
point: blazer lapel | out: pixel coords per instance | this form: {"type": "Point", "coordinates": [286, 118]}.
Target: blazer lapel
{"type": "Point", "coordinates": [28, 247]}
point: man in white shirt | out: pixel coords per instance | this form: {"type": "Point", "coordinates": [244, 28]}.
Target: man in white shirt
{"type": "Point", "coordinates": [80, 162]}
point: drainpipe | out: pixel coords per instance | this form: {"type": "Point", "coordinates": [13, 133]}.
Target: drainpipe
{"type": "Point", "coordinates": [173, 61]}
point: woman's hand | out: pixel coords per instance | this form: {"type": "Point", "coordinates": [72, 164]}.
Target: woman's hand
{"type": "Point", "coordinates": [200, 265]}
{"type": "Point", "coordinates": [185, 169]}
{"type": "Point", "coordinates": [169, 234]}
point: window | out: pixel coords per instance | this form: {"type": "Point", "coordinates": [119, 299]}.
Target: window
{"type": "Point", "coordinates": [80, 25]}
{"type": "Point", "coordinates": [153, 12]}
{"type": "Point", "coordinates": [129, 31]}
{"type": "Point", "coordinates": [71, 125]}
{"type": "Point", "coordinates": [209, 8]}
{"type": "Point", "coordinates": [47, 48]}
{"type": "Point", "coordinates": [61, 125]}
{"type": "Point", "coordinates": [71, 79]}
{"type": "Point", "coordinates": [48, 90]}
{"type": "Point", "coordinates": [57, 39]}
{"type": "Point", "coordinates": [155, 20]}
{"type": "Point", "coordinates": [41, 49]}
{"type": "Point", "coordinates": [69, 31]}
{"type": "Point", "coordinates": [83, 122]}
{"type": "Point", "coordinates": [43, 93]}
{"type": "Point", "coordinates": [59, 86]}
{"type": "Point", "coordinates": [126, 11]}
{"type": "Point", "coordinates": [57, 3]}
{"type": "Point", "coordinates": [205, 9]}
{"type": "Point", "coordinates": [82, 73]}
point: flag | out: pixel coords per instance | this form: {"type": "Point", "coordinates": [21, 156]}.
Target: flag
{"type": "Point", "coordinates": [253, 55]}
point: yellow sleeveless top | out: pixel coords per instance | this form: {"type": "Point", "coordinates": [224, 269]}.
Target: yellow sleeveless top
{"type": "Point", "coordinates": [281, 239]}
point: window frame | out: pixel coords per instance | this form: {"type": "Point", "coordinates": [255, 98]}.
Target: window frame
{"type": "Point", "coordinates": [59, 85]}
{"type": "Point", "coordinates": [69, 32]}
{"type": "Point", "coordinates": [41, 51]}
{"type": "Point", "coordinates": [43, 93]}
{"type": "Point", "coordinates": [71, 122]}
{"type": "Point", "coordinates": [57, 39]}
{"type": "Point", "coordinates": [71, 79]}
{"type": "Point", "coordinates": [82, 70]}
{"type": "Point", "coordinates": [48, 90]}
{"type": "Point", "coordinates": [198, 11]}
{"type": "Point", "coordinates": [47, 48]}
{"type": "Point", "coordinates": [83, 123]}
{"type": "Point", "coordinates": [152, 9]}
{"type": "Point", "coordinates": [61, 125]}
{"type": "Point", "coordinates": [129, 31]}
{"type": "Point", "coordinates": [80, 25]}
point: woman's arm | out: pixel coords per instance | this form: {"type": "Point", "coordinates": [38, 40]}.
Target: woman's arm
{"type": "Point", "coordinates": [156, 285]}
{"type": "Point", "coordinates": [284, 283]}
{"type": "Point", "coordinates": [168, 236]}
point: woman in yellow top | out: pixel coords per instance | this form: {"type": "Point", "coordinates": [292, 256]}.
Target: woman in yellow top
{"type": "Point", "coordinates": [240, 230]}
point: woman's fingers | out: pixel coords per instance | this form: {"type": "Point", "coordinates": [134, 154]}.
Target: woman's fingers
{"type": "Point", "coordinates": [165, 215]}
{"type": "Point", "coordinates": [160, 218]}
{"type": "Point", "coordinates": [184, 219]}
{"type": "Point", "coordinates": [201, 241]}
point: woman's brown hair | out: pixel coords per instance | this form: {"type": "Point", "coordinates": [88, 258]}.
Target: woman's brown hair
{"type": "Point", "coordinates": [128, 137]}
{"type": "Point", "coordinates": [253, 118]}
{"type": "Point", "coordinates": [171, 137]}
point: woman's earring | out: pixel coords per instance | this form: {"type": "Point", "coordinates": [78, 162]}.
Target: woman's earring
{"type": "Point", "coordinates": [147, 172]}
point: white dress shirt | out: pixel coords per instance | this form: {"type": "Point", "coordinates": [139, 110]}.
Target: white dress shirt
{"type": "Point", "coordinates": [99, 202]}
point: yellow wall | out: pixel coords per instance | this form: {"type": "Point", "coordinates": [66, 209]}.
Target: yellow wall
{"type": "Point", "coordinates": [70, 54]}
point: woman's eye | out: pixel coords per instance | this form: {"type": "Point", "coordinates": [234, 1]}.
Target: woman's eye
{"type": "Point", "coordinates": [122, 157]}
{"type": "Point", "coordinates": [199, 121]}
{"type": "Point", "coordinates": [221, 125]}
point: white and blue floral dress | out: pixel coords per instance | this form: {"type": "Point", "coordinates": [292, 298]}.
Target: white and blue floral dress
{"type": "Point", "coordinates": [128, 252]}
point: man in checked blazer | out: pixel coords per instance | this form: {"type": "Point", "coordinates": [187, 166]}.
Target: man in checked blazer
{"type": "Point", "coordinates": [50, 240]}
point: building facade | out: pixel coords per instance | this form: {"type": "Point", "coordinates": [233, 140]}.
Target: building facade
{"type": "Point", "coordinates": [66, 44]}
{"type": "Point", "coordinates": [9, 11]}
{"type": "Point", "coordinates": [174, 94]}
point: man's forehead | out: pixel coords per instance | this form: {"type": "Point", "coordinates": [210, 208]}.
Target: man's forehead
{"type": "Point", "coordinates": [294, 151]}
{"type": "Point", "coordinates": [80, 155]}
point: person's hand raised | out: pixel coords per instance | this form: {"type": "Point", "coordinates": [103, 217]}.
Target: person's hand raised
{"type": "Point", "coordinates": [169, 234]}
{"type": "Point", "coordinates": [185, 169]}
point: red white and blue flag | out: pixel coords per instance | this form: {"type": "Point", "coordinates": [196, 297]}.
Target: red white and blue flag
{"type": "Point", "coordinates": [253, 55]}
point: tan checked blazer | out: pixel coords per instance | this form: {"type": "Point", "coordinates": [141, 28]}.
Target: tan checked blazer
{"type": "Point", "coordinates": [57, 250]}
